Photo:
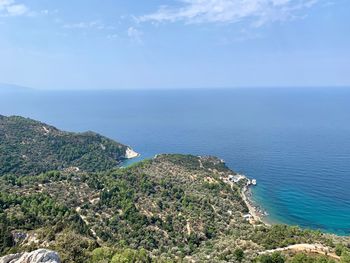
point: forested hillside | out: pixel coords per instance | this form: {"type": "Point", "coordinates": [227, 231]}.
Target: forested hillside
{"type": "Point", "coordinates": [172, 208]}
{"type": "Point", "coordinates": [31, 147]}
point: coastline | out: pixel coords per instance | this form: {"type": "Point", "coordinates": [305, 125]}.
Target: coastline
{"type": "Point", "coordinates": [256, 215]}
{"type": "Point", "coordinates": [256, 212]}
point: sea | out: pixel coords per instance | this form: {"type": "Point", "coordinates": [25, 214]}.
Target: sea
{"type": "Point", "coordinates": [294, 141]}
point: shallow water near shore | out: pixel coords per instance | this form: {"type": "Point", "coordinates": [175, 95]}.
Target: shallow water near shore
{"type": "Point", "coordinates": [294, 141]}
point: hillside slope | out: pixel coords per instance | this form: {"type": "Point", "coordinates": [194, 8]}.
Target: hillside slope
{"type": "Point", "coordinates": [172, 208]}
{"type": "Point", "coordinates": [31, 147]}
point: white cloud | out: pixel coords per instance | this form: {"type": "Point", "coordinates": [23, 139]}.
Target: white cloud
{"type": "Point", "coordinates": [47, 12]}
{"type": "Point", "coordinates": [91, 26]}
{"type": "Point", "coordinates": [11, 8]}
{"type": "Point", "coordinates": [135, 34]}
{"type": "Point", "coordinates": [258, 12]}
{"type": "Point", "coordinates": [112, 36]}
{"type": "Point", "coordinates": [96, 24]}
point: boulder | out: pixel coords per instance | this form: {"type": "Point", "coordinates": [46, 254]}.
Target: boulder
{"type": "Point", "coordinates": [37, 256]}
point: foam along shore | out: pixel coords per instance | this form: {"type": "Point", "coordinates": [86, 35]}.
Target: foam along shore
{"type": "Point", "coordinates": [130, 153]}
{"type": "Point", "coordinates": [256, 214]}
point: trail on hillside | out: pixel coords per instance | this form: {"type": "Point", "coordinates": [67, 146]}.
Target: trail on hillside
{"type": "Point", "coordinates": [310, 248]}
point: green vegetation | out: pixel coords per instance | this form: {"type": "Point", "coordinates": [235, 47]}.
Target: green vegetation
{"type": "Point", "coordinates": [157, 205]}
{"type": "Point", "coordinates": [173, 208]}
{"type": "Point", "coordinates": [275, 257]}
{"type": "Point", "coordinates": [283, 235]}
{"type": "Point", "coordinates": [345, 256]}
{"type": "Point", "coordinates": [161, 209]}
{"type": "Point", "coordinates": [296, 258]}
{"type": "Point", "coordinates": [31, 147]}
{"type": "Point", "coordinates": [304, 258]}
{"type": "Point", "coordinates": [239, 254]}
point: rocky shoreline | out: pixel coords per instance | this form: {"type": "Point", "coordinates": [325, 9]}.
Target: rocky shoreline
{"type": "Point", "coordinates": [258, 214]}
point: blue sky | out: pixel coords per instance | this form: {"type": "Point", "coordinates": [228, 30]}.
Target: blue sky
{"type": "Point", "coordinates": [129, 44]}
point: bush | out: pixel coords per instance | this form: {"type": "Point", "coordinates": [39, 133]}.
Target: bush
{"type": "Point", "coordinates": [239, 254]}
{"type": "Point", "coordinates": [345, 257]}
{"type": "Point", "coordinates": [102, 255]}
{"type": "Point", "coordinates": [276, 257]}
{"type": "Point", "coordinates": [131, 256]}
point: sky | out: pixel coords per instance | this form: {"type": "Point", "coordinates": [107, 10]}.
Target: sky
{"type": "Point", "coordinates": [167, 44]}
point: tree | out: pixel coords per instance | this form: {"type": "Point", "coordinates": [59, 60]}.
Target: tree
{"type": "Point", "coordinates": [345, 257]}
{"type": "Point", "coordinates": [276, 257]}
{"type": "Point", "coordinates": [339, 249]}
{"type": "Point", "coordinates": [6, 239]}
{"type": "Point", "coordinates": [239, 254]}
{"type": "Point", "coordinates": [131, 256]}
{"type": "Point", "coordinates": [300, 258]}
{"type": "Point", "coordinates": [102, 255]}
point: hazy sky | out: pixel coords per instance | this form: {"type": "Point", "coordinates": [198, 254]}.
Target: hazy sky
{"type": "Point", "coordinates": [85, 44]}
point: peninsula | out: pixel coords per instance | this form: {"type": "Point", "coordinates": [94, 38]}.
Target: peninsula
{"type": "Point", "coordinates": [64, 194]}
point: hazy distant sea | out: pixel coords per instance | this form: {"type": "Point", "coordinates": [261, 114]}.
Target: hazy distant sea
{"type": "Point", "coordinates": [295, 141]}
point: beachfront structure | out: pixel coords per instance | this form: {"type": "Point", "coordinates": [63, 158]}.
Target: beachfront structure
{"type": "Point", "coordinates": [247, 217]}
{"type": "Point", "coordinates": [236, 178]}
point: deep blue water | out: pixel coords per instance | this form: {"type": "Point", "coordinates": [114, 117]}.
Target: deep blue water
{"type": "Point", "coordinates": [295, 142]}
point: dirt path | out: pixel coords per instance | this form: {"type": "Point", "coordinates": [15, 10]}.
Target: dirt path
{"type": "Point", "coordinates": [310, 248]}
{"type": "Point", "coordinates": [99, 241]}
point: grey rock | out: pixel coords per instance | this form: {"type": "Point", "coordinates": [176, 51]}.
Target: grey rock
{"type": "Point", "coordinates": [37, 256]}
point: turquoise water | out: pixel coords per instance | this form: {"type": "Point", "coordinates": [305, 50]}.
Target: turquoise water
{"type": "Point", "coordinates": [295, 142]}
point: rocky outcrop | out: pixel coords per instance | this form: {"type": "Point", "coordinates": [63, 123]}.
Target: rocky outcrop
{"type": "Point", "coordinates": [37, 256]}
{"type": "Point", "coordinates": [130, 153]}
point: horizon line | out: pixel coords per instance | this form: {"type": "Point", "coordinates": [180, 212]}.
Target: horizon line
{"type": "Point", "coordinates": [22, 87]}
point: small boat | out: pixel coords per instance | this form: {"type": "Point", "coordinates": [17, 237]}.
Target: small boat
{"type": "Point", "coordinates": [254, 182]}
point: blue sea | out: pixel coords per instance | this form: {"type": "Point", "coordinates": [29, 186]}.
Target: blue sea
{"type": "Point", "coordinates": [294, 141]}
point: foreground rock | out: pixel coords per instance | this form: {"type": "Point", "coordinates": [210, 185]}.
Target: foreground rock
{"type": "Point", "coordinates": [37, 256]}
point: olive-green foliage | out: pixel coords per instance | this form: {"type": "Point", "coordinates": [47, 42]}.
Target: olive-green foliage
{"type": "Point", "coordinates": [131, 256]}
{"type": "Point", "coordinates": [239, 254]}
{"type": "Point", "coordinates": [150, 205]}
{"type": "Point", "coordinates": [36, 210]}
{"type": "Point", "coordinates": [170, 207]}
{"type": "Point", "coordinates": [303, 258]}
{"type": "Point", "coordinates": [275, 257]}
{"type": "Point", "coordinates": [295, 258]}
{"type": "Point", "coordinates": [283, 235]}
{"type": "Point", "coordinates": [73, 247]}
{"type": "Point", "coordinates": [339, 248]}
{"type": "Point", "coordinates": [102, 255]}
{"type": "Point", "coordinates": [165, 205]}
{"type": "Point", "coordinates": [146, 205]}
{"type": "Point", "coordinates": [345, 257]}
{"type": "Point", "coordinates": [31, 147]}
{"type": "Point", "coordinates": [191, 162]}
{"type": "Point", "coordinates": [6, 240]}
{"type": "Point", "coordinates": [30, 212]}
